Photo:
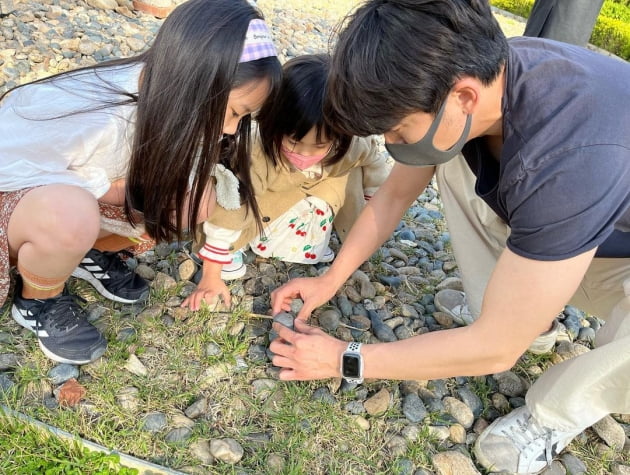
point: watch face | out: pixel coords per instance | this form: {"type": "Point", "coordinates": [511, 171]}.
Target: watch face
{"type": "Point", "coordinates": [350, 366]}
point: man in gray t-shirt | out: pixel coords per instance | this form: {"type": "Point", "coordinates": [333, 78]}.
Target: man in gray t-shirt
{"type": "Point", "coordinates": [544, 129]}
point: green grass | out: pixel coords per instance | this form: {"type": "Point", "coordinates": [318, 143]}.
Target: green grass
{"type": "Point", "coordinates": [28, 450]}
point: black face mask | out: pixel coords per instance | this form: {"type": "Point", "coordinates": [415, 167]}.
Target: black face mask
{"type": "Point", "coordinates": [423, 153]}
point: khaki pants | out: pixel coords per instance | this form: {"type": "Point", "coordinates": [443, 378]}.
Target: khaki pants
{"type": "Point", "coordinates": [576, 393]}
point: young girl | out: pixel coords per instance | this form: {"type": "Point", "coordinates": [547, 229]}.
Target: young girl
{"type": "Point", "coordinates": [125, 149]}
{"type": "Point", "coordinates": [303, 172]}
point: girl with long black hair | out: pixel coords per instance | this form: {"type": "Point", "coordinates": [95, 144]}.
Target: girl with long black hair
{"type": "Point", "coordinates": [126, 149]}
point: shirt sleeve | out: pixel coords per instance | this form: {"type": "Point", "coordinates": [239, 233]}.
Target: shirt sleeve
{"type": "Point", "coordinates": [218, 242]}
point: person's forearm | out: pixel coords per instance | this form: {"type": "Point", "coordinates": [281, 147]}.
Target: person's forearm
{"type": "Point", "coordinates": [443, 354]}
{"type": "Point", "coordinates": [211, 271]}
{"type": "Point", "coordinates": [520, 302]}
{"type": "Point", "coordinates": [378, 220]}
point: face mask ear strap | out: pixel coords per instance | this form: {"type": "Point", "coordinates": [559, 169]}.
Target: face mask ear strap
{"type": "Point", "coordinates": [436, 122]}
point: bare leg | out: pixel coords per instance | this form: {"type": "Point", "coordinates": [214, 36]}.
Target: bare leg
{"type": "Point", "coordinates": [50, 230]}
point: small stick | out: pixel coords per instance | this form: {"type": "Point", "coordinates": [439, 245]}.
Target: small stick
{"type": "Point", "coordinates": [267, 317]}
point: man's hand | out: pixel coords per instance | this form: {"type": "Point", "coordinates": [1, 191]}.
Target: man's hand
{"type": "Point", "coordinates": [313, 291]}
{"type": "Point", "coordinates": [307, 353]}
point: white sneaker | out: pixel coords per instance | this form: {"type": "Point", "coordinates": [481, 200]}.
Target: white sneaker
{"type": "Point", "coordinates": [546, 341]}
{"type": "Point", "coordinates": [453, 303]}
{"type": "Point", "coordinates": [235, 269]}
{"type": "Point", "coordinates": [327, 256]}
{"type": "Point", "coordinates": [516, 443]}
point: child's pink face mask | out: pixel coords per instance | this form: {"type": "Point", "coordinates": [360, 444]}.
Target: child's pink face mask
{"type": "Point", "coordinates": [302, 162]}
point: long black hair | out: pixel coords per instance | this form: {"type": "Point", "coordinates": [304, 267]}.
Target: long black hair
{"type": "Point", "coordinates": [188, 73]}
{"type": "Point", "coordinates": [396, 57]}
{"type": "Point", "coordinates": [298, 107]}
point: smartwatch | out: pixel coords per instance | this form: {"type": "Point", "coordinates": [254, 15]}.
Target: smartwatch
{"type": "Point", "coordinates": [352, 363]}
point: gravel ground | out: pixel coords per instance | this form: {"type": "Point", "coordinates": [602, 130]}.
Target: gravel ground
{"type": "Point", "coordinates": [390, 298]}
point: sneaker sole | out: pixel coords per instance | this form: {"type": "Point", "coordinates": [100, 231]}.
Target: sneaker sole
{"type": "Point", "coordinates": [88, 277]}
{"type": "Point", "coordinates": [234, 274]}
{"type": "Point", "coordinates": [96, 354]}
{"type": "Point", "coordinates": [325, 259]}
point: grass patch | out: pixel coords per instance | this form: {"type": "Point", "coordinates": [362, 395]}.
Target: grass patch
{"type": "Point", "coordinates": [29, 450]}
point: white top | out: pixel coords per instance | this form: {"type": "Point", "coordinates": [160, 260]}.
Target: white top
{"type": "Point", "coordinates": [90, 149]}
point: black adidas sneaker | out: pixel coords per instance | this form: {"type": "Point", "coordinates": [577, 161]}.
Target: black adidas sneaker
{"type": "Point", "coordinates": [111, 277]}
{"type": "Point", "coordinates": [61, 326]}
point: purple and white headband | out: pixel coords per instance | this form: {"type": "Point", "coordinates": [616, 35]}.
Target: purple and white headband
{"type": "Point", "coordinates": [258, 43]}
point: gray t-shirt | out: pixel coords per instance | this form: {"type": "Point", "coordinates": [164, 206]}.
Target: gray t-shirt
{"type": "Point", "coordinates": [563, 180]}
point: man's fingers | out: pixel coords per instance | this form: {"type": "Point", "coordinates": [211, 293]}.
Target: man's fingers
{"type": "Point", "coordinates": [304, 312]}
{"type": "Point", "coordinates": [285, 333]}
{"type": "Point", "coordinates": [302, 326]}
{"type": "Point", "coordinates": [281, 298]}
{"type": "Point", "coordinates": [287, 374]}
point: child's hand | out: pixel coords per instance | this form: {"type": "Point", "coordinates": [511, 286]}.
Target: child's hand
{"type": "Point", "coordinates": [208, 291]}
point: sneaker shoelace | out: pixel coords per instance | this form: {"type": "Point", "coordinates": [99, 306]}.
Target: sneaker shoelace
{"type": "Point", "coordinates": [526, 431]}
{"type": "Point", "coordinates": [64, 312]}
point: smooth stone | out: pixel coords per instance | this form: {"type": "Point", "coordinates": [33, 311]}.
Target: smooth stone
{"type": "Point", "coordinates": [213, 349]}
{"type": "Point", "coordinates": [457, 433]}
{"type": "Point", "coordinates": [329, 319]}
{"type": "Point", "coordinates": [275, 464]}
{"type": "Point", "coordinates": [8, 361]}
{"type": "Point", "coordinates": [6, 384]}
{"type": "Point", "coordinates": [361, 422]}
{"type": "Point", "coordinates": [573, 464]}
{"type": "Point", "coordinates": [586, 334]}
{"type": "Point", "coordinates": [62, 373]}
{"type": "Point", "coordinates": [441, 433]}
{"type": "Point", "coordinates": [284, 318]}
{"type": "Point", "coordinates": [197, 408]}
{"type": "Point", "coordinates": [126, 335]}
{"type": "Point", "coordinates": [555, 468]}
{"type": "Point", "coordinates": [471, 400]}
{"type": "Point", "coordinates": [154, 422]}
{"type": "Point", "coordinates": [344, 305]}
{"type": "Point", "coordinates": [396, 445]}
{"type": "Point", "coordinates": [510, 384]}
{"type": "Point", "coordinates": [355, 407]}
{"type": "Point", "coordinates": [263, 388]}
{"type": "Point", "coordinates": [453, 462]}
{"type": "Point", "coordinates": [406, 235]}
{"type": "Point", "coordinates": [378, 403]}
{"type": "Point", "coordinates": [324, 395]}
{"type": "Point", "coordinates": [146, 272]}
{"type": "Point", "coordinates": [200, 449]}
{"type": "Point", "coordinates": [135, 366]}
{"type": "Point", "coordinates": [163, 282]}
{"type": "Point", "coordinates": [403, 467]}
{"type": "Point", "coordinates": [611, 432]}
{"type": "Point", "coordinates": [178, 435]}
{"type": "Point", "coordinates": [413, 408]}
{"type": "Point", "coordinates": [460, 411]}
{"type": "Point", "coordinates": [226, 450]}
{"type": "Point", "coordinates": [500, 402]}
